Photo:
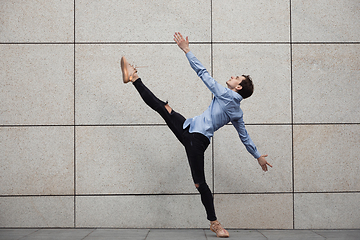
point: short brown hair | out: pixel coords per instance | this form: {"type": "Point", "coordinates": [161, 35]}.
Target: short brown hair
{"type": "Point", "coordinates": [247, 87]}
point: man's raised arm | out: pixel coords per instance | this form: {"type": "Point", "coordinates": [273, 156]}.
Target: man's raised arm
{"type": "Point", "coordinates": [197, 66]}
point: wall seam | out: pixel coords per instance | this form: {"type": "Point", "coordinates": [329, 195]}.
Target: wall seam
{"type": "Point", "coordinates": [164, 125]}
{"type": "Point", "coordinates": [177, 194]}
{"type": "Point", "coordinates": [74, 114]}
{"type": "Point", "coordinates": [212, 74]}
{"type": "Point", "coordinates": [170, 43]}
{"type": "Point", "coordinates": [292, 117]}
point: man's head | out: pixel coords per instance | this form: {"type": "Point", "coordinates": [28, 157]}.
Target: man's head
{"type": "Point", "coordinates": [242, 85]}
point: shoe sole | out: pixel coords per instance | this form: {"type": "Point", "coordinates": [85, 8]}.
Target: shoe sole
{"type": "Point", "coordinates": [125, 74]}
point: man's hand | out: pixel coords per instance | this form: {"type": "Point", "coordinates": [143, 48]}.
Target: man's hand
{"type": "Point", "coordinates": [181, 42]}
{"type": "Point", "coordinates": [263, 163]}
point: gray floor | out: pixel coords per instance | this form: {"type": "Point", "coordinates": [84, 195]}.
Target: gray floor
{"type": "Point", "coordinates": [173, 234]}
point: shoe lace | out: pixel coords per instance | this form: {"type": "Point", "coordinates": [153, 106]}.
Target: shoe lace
{"type": "Point", "coordinates": [134, 70]}
{"type": "Point", "coordinates": [133, 67]}
{"type": "Point", "coordinates": [216, 226]}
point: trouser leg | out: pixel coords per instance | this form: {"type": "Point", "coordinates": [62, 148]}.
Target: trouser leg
{"type": "Point", "coordinates": [195, 145]}
{"type": "Point", "coordinates": [207, 200]}
{"type": "Point", "coordinates": [174, 120]}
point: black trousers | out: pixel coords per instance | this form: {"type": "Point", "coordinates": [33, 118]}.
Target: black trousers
{"type": "Point", "coordinates": [195, 144]}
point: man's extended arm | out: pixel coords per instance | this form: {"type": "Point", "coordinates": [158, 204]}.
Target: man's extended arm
{"type": "Point", "coordinates": [217, 89]}
{"type": "Point", "coordinates": [249, 144]}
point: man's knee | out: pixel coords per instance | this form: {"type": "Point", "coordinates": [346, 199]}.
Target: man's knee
{"type": "Point", "coordinates": [201, 187]}
{"type": "Point", "coordinates": [168, 108]}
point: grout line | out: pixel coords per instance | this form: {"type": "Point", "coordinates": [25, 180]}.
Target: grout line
{"type": "Point", "coordinates": [147, 234]}
{"type": "Point", "coordinates": [88, 233]}
{"type": "Point", "coordinates": [74, 114]}
{"type": "Point", "coordinates": [262, 234]}
{"type": "Point", "coordinates": [27, 235]}
{"type": "Point", "coordinates": [205, 234]}
{"type": "Point", "coordinates": [178, 194]}
{"type": "Point", "coordinates": [314, 231]}
{"type": "Point", "coordinates": [212, 74]}
{"type": "Point", "coordinates": [213, 165]}
{"type": "Point", "coordinates": [184, 229]}
{"type": "Point", "coordinates": [170, 43]}
{"type": "Point", "coordinates": [292, 117]}
{"type": "Point", "coordinates": [162, 125]}
{"type": "Point", "coordinates": [291, 192]}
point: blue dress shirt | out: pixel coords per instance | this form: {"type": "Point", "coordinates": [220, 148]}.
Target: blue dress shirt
{"type": "Point", "coordinates": [224, 108]}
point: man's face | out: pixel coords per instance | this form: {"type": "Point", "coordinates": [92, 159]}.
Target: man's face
{"type": "Point", "coordinates": [233, 82]}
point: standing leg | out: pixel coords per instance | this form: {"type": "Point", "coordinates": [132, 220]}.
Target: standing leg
{"type": "Point", "coordinates": [195, 145]}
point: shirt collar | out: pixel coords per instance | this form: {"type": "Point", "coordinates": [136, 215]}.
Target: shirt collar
{"type": "Point", "coordinates": [237, 97]}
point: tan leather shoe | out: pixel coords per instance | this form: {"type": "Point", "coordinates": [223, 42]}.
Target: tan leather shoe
{"type": "Point", "coordinates": [216, 227]}
{"type": "Point", "coordinates": [128, 70]}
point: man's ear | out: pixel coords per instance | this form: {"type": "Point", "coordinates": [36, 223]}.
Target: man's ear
{"type": "Point", "coordinates": [238, 87]}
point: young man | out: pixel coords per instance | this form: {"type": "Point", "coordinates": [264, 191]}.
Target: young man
{"type": "Point", "coordinates": [195, 133]}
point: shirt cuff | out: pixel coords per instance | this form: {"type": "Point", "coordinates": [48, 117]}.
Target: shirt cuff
{"type": "Point", "coordinates": [257, 155]}
{"type": "Point", "coordinates": [190, 55]}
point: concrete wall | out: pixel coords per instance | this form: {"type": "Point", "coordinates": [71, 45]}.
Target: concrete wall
{"type": "Point", "coordinates": [80, 149]}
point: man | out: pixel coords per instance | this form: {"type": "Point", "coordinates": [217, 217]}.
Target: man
{"type": "Point", "coordinates": [195, 133]}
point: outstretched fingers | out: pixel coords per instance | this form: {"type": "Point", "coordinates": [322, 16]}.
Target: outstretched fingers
{"type": "Point", "coordinates": [181, 42]}
{"type": "Point", "coordinates": [264, 167]}
{"type": "Point", "coordinates": [178, 37]}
